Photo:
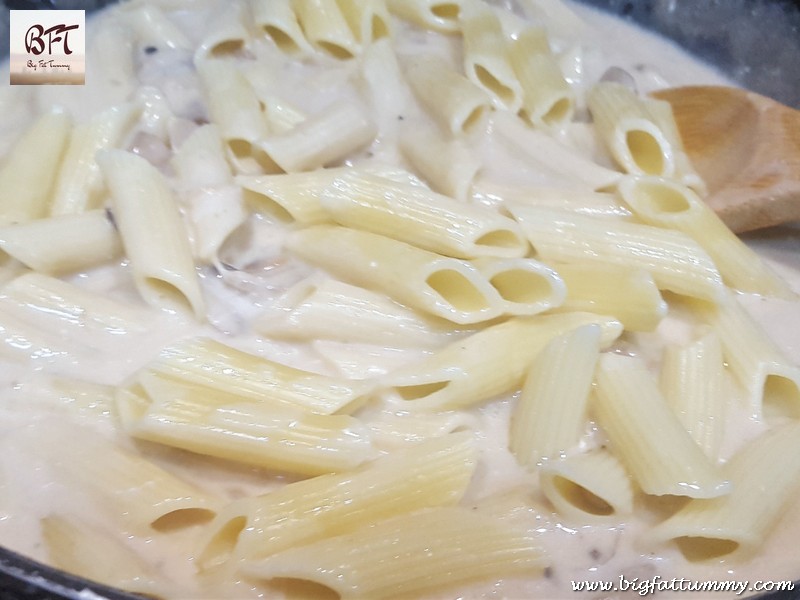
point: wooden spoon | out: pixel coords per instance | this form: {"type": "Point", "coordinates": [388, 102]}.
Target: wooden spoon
{"type": "Point", "coordinates": [747, 149]}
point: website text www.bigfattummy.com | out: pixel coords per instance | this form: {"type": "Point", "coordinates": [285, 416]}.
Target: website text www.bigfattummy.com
{"type": "Point", "coordinates": [656, 584]}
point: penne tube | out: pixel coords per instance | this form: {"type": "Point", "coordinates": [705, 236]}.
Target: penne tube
{"type": "Point", "coordinates": [326, 28]}
{"type": "Point", "coordinates": [227, 32]}
{"type": "Point", "coordinates": [262, 434]}
{"type": "Point", "coordinates": [428, 474]}
{"type": "Point", "coordinates": [315, 310]}
{"type": "Point", "coordinates": [765, 474]}
{"type": "Point", "coordinates": [692, 380]}
{"type": "Point", "coordinates": [628, 295]}
{"type": "Point", "coordinates": [62, 244]}
{"type": "Point", "coordinates": [386, 88]}
{"type": "Point", "coordinates": [133, 491]}
{"type": "Point", "coordinates": [26, 185]}
{"type": "Point", "coordinates": [200, 160]}
{"type": "Point", "coordinates": [369, 20]}
{"type": "Point", "coordinates": [588, 488]}
{"type": "Point", "coordinates": [277, 20]}
{"type": "Point", "coordinates": [214, 215]}
{"type": "Point", "coordinates": [647, 436]}
{"type": "Point", "coordinates": [454, 101]}
{"type": "Point", "coordinates": [547, 98]}
{"type": "Point", "coordinates": [488, 363]}
{"type": "Point", "coordinates": [486, 61]}
{"type": "Point", "coordinates": [235, 110]}
{"type": "Point", "coordinates": [214, 365]}
{"type": "Point", "coordinates": [668, 204]}
{"type": "Point", "coordinates": [440, 546]}
{"type": "Point", "coordinates": [79, 186]}
{"type": "Point", "coordinates": [447, 165]}
{"type": "Point", "coordinates": [445, 287]}
{"type": "Point", "coordinates": [152, 232]}
{"type": "Point", "coordinates": [322, 139]}
{"type": "Point", "coordinates": [552, 156]}
{"type": "Point", "coordinates": [439, 15]}
{"type": "Point", "coordinates": [289, 197]}
{"type": "Point", "coordinates": [674, 260]}
{"type": "Point", "coordinates": [83, 549]}
{"type": "Point", "coordinates": [420, 217]}
{"type": "Point", "coordinates": [551, 410]}
{"type": "Point", "coordinates": [771, 382]}
{"type": "Point", "coordinates": [153, 28]}
{"type": "Point", "coordinates": [527, 286]}
{"type": "Point", "coordinates": [594, 204]}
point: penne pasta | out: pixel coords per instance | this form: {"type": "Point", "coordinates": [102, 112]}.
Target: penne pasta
{"type": "Point", "coordinates": [674, 260]}
{"type": "Point", "coordinates": [277, 20]}
{"type": "Point", "coordinates": [527, 286]}
{"type": "Point", "coordinates": [226, 33]}
{"type": "Point", "coordinates": [152, 232]}
{"type": "Point", "coordinates": [62, 244]}
{"type": "Point", "coordinates": [26, 185]}
{"type": "Point", "coordinates": [369, 20]}
{"type": "Point", "coordinates": [439, 15]}
{"type": "Point", "coordinates": [647, 436]}
{"type": "Point", "coordinates": [551, 409]}
{"type": "Point", "coordinates": [326, 28]}
{"type": "Point", "coordinates": [488, 363]}
{"type": "Point", "coordinates": [438, 285]}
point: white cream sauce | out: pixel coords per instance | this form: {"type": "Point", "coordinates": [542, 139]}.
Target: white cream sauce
{"type": "Point", "coordinates": [30, 410]}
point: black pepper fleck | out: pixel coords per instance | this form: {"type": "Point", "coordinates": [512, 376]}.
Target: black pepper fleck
{"type": "Point", "coordinates": [150, 50]}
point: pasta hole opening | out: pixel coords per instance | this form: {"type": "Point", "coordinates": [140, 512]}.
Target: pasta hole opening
{"type": "Point", "coordinates": [282, 40]}
{"type": "Point", "coordinates": [182, 519]}
{"type": "Point", "coordinates": [501, 238]}
{"type": "Point", "coordinates": [781, 397]}
{"type": "Point", "coordinates": [227, 48]}
{"type": "Point", "coordinates": [251, 156]}
{"type": "Point", "coordinates": [492, 83]}
{"type": "Point", "coordinates": [221, 546]}
{"type": "Point", "coordinates": [662, 198]}
{"type": "Point", "coordinates": [645, 151]}
{"type": "Point", "coordinates": [458, 291]}
{"type": "Point", "coordinates": [416, 392]}
{"type": "Point", "coordinates": [304, 588]}
{"type": "Point", "coordinates": [380, 28]}
{"type": "Point", "coordinates": [335, 50]}
{"type": "Point", "coordinates": [446, 11]}
{"type": "Point", "coordinates": [522, 287]}
{"type": "Point", "coordinates": [698, 548]}
{"type": "Point", "coordinates": [558, 112]}
{"type": "Point", "coordinates": [581, 498]}
{"type": "Point", "coordinates": [163, 293]}
{"type": "Point", "coordinates": [266, 205]}
{"type": "Point", "coordinates": [473, 118]}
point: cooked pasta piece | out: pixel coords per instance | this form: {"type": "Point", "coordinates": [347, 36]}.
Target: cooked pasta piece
{"type": "Point", "coordinates": [317, 309]}
{"type": "Point", "coordinates": [692, 381]}
{"type": "Point", "coordinates": [770, 380]}
{"type": "Point", "coordinates": [674, 260]}
{"type": "Point", "coordinates": [263, 434]}
{"type": "Point", "coordinates": [765, 474]}
{"type": "Point", "coordinates": [79, 186]}
{"type": "Point", "coordinates": [439, 15]}
{"type": "Point", "coordinates": [152, 232]}
{"type": "Point", "coordinates": [588, 488]}
{"type": "Point", "coordinates": [527, 286]}
{"type": "Point", "coordinates": [227, 32]}
{"type": "Point", "coordinates": [440, 546]}
{"type": "Point", "coordinates": [154, 28]}
{"type": "Point", "coordinates": [420, 217]}
{"type": "Point", "coordinates": [547, 98]}
{"type": "Point", "coordinates": [235, 110]}
{"type": "Point", "coordinates": [389, 94]}
{"type": "Point", "coordinates": [647, 436]}
{"type": "Point", "coordinates": [488, 363]}
{"type": "Point", "coordinates": [277, 20]}
{"type": "Point", "coordinates": [668, 204]}
{"type": "Point", "coordinates": [62, 244]}
{"type": "Point", "coordinates": [200, 160]}
{"type": "Point", "coordinates": [369, 20]}
{"type": "Point", "coordinates": [86, 550]}
{"type": "Point", "coordinates": [457, 104]}
{"type": "Point", "coordinates": [30, 168]}
{"type": "Point", "coordinates": [629, 295]}
{"type": "Point", "coordinates": [219, 367]}
{"type": "Point", "coordinates": [326, 28]}
{"type": "Point", "coordinates": [322, 139]}
{"type": "Point", "coordinates": [551, 409]}
{"type": "Point", "coordinates": [428, 474]}
{"type": "Point", "coordinates": [445, 287]}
